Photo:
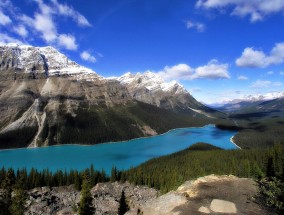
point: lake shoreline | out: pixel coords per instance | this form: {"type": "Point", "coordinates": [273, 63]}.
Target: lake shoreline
{"type": "Point", "coordinates": [123, 154]}
{"type": "Point", "coordinates": [109, 142]}
{"type": "Point", "coordinates": [113, 142]}
{"type": "Point", "coordinates": [232, 141]}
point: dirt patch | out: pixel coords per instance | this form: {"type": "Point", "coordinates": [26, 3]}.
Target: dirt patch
{"type": "Point", "coordinates": [239, 191]}
{"type": "Point", "coordinates": [209, 195]}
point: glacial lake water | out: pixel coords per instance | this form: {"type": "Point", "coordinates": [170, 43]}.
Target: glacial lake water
{"type": "Point", "coordinates": [123, 154]}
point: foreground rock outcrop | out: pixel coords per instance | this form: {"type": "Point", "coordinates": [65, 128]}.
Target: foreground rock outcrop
{"type": "Point", "coordinates": [207, 195]}
{"type": "Point", "coordinates": [106, 196]}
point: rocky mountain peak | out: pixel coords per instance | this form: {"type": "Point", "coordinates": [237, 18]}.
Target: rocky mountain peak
{"type": "Point", "coordinates": [151, 88]}
{"type": "Point", "coordinates": [48, 60]}
{"type": "Point", "coordinates": [151, 82]}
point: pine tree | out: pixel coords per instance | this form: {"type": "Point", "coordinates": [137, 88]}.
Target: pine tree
{"type": "Point", "coordinates": [6, 185]}
{"type": "Point", "coordinates": [19, 198]}
{"type": "Point", "coordinates": [85, 204]}
{"type": "Point", "coordinates": [113, 175]}
{"type": "Point", "coordinates": [123, 207]}
{"type": "Point", "coordinates": [270, 169]}
{"type": "Point", "coordinates": [77, 180]}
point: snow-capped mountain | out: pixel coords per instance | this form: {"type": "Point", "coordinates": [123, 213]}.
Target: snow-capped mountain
{"type": "Point", "coordinates": [45, 99]}
{"type": "Point", "coordinates": [248, 100]}
{"type": "Point", "coordinates": [151, 81]}
{"type": "Point", "coordinates": [41, 60]}
{"type": "Point", "coordinates": [150, 88]}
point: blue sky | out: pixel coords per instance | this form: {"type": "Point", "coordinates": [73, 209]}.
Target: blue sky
{"type": "Point", "coordinates": [217, 49]}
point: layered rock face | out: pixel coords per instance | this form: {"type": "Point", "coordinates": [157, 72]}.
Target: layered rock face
{"type": "Point", "coordinates": [152, 89]}
{"type": "Point", "coordinates": [42, 92]}
{"type": "Point", "coordinates": [37, 83]}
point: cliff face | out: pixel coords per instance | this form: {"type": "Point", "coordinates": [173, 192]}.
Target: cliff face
{"type": "Point", "coordinates": [39, 84]}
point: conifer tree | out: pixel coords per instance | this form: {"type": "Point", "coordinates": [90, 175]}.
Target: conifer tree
{"type": "Point", "coordinates": [270, 169]}
{"type": "Point", "coordinates": [85, 204]}
{"type": "Point", "coordinates": [6, 185]}
{"type": "Point", "coordinates": [123, 206]}
{"type": "Point", "coordinates": [19, 198]}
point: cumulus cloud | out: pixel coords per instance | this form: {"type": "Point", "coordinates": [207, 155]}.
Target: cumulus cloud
{"type": "Point", "coordinates": [256, 9]}
{"type": "Point", "coordinates": [212, 70]}
{"type": "Point", "coordinates": [200, 27]}
{"type": "Point", "coordinates": [265, 84]}
{"type": "Point", "coordinates": [85, 55]}
{"type": "Point", "coordinates": [4, 19]}
{"type": "Point", "coordinates": [180, 71]}
{"type": "Point", "coordinates": [43, 23]}
{"type": "Point", "coordinates": [67, 41]}
{"type": "Point", "coordinates": [253, 58]}
{"type": "Point", "coordinates": [242, 78]}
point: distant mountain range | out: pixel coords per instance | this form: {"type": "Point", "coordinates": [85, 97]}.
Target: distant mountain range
{"type": "Point", "coordinates": [251, 101]}
{"type": "Point", "coordinates": [47, 99]}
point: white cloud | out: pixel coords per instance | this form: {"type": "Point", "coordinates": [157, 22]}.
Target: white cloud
{"type": "Point", "coordinates": [260, 84]}
{"type": "Point", "coordinates": [85, 55]}
{"type": "Point", "coordinates": [43, 23]}
{"type": "Point", "coordinates": [180, 71]}
{"type": "Point", "coordinates": [200, 27]}
{"type": "Point", "coordinates": [242, 78]}
{"type": "Point", "coordinates": [281, 73]}
{"type": "Point", "coordinates": [253, 58]}
{"type": "Point", "coordinates": [64, 9]}
{"type": "Point", "coordinates": [67, 41]}
{"type": "Point", "coordinates": [265, 84]}
{"type": "Point", "coordinates": [21, 30]}
{"type": "Point", "coordinates": [4, 19]}
{"type": "Point", "coordinates": [256, 9]}
{"type": "Point", "coordinates": [4, 39]}
{"type": "Point", "coordinates": [212, 70]}
{"type": "Point", "coordinates": [270, 73]}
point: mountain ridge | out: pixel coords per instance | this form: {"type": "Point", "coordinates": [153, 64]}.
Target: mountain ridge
{"type": "Point", "coordinates": [43, 94]}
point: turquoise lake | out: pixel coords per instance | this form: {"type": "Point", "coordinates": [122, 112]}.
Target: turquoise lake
{"type": "Point", "coordinates": [123, 154]}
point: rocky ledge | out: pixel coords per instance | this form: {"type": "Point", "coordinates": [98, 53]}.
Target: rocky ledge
{"type": "Point", "coordinates": [209, 195]}
{"type": "Point", "coordinates": [206, 195]}
{"type": "Point", "coordinates": [106, 196]}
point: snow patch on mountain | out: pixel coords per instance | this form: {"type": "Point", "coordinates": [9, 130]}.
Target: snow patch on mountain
{"type": "Point", "coordinates": [151, 81]}
{"type": "Point", "coordinates": [257, 97]}
{"type": "Point", "coordinates": [247, 99]}
{"type": "Point", "coordinates": [51, 61]}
